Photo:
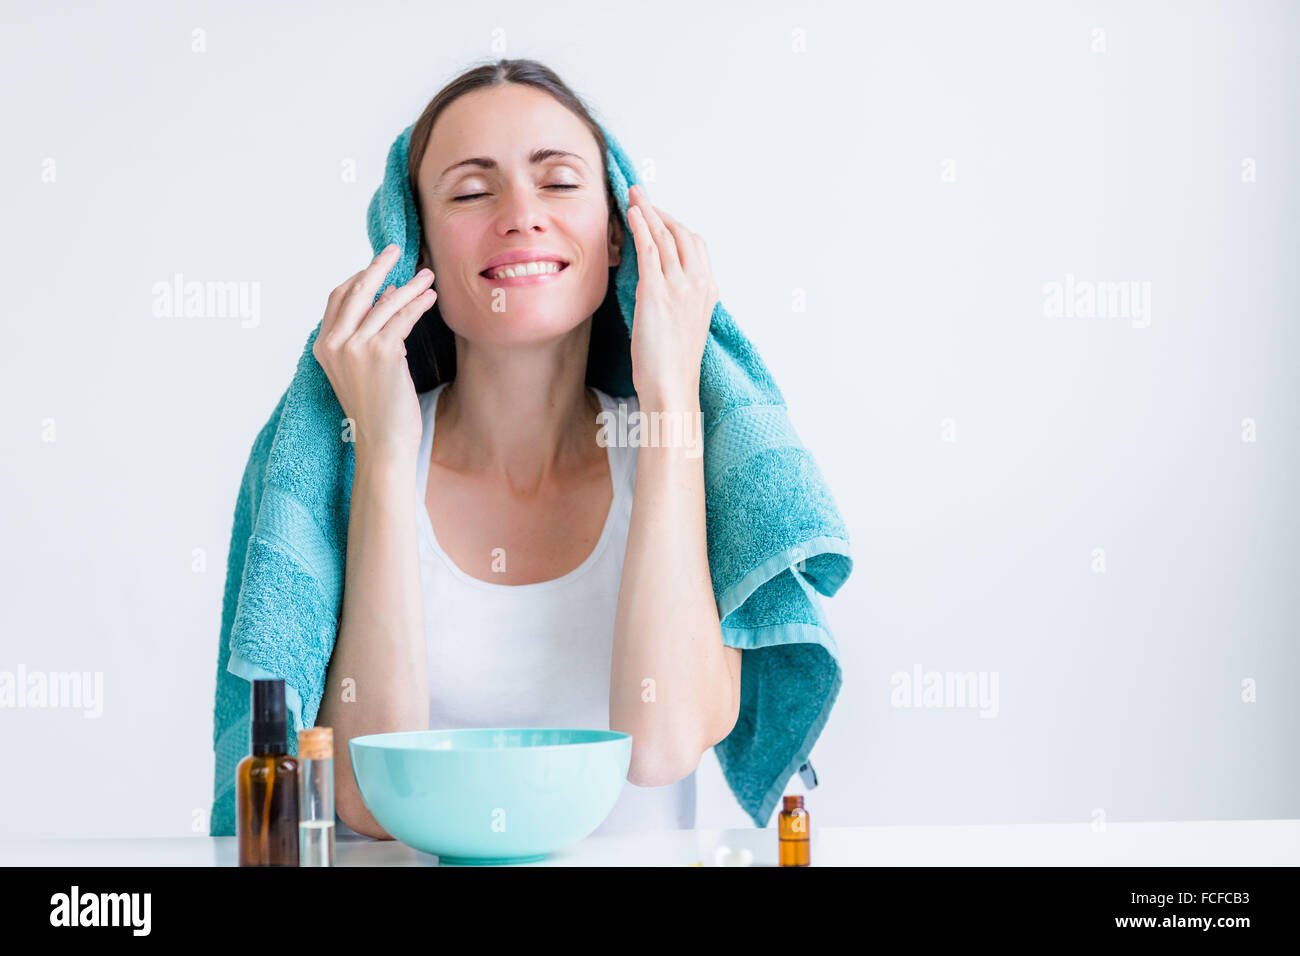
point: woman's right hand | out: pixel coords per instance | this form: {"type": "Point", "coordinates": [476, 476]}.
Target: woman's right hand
{"type": "Point", "coordinates": [362, 349]}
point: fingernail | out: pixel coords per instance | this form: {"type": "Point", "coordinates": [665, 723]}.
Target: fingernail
{"type": "Point", "coordinates": [423, 272]}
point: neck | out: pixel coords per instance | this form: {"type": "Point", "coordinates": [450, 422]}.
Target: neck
{"type": "Point", "coordinates": [520, 413]}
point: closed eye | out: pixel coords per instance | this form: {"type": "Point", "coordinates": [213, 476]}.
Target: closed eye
{"type": "Point", "coordinates": [552, 186]}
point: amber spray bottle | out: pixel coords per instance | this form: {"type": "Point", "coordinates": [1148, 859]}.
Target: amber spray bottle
{"type": "Point", "coordinates": [794, 832]}
{"type": "Point", "coordinates": [266, 785]}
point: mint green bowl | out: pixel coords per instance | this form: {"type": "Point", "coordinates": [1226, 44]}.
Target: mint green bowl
{"type": "Point", "coordinates": [492, 795]}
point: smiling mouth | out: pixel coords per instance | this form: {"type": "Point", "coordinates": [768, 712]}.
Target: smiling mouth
{"type": "Point", "coordinates": [524, 270]}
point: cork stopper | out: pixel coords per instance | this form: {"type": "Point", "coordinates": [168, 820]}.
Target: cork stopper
{"type": "Point", "coordinates": [316, 743]}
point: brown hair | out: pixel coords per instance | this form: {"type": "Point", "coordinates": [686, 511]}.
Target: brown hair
{"type": "Point", "coordinates": [431, 346]}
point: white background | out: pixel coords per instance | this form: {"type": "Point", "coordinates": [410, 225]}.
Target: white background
{"type": "Point", "coordinates": [819, 170]}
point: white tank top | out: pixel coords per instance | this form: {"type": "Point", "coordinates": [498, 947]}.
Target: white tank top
{"type": "Point", "coordinates": [536, 655]}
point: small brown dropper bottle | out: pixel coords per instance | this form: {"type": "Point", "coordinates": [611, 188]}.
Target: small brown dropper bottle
{"type": "Point", "coordinates": [793, 825]}
{"type": "Point", "coordinates": [266, 785]}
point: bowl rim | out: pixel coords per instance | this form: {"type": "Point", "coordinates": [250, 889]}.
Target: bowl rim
{"type": "Point", "coordinates": [390, 740]}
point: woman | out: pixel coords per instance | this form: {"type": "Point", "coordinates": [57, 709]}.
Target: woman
{"type": "Point", "coordinates": [549, 578]}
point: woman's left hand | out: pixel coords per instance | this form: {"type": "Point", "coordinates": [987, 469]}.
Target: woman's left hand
{"type": "Point", "coordinates": [675, 296]}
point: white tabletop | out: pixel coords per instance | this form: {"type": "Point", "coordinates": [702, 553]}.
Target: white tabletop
{"type": "Point", "coordinates": [1208, 843]}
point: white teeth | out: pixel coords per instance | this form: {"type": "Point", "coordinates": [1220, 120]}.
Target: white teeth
{"type": "Point", "coordinates": [524, 269]}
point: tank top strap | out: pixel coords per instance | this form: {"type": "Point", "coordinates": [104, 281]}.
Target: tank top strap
{"type": "Point", "coordinates": [622, 456]}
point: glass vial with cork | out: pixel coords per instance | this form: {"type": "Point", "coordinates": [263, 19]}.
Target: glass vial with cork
{"type": "Point", "coordinates": [793, 826]}
{"type": "Point", "coordinates": [266, 785]}
{"type": "Point", "coordinates": [316, 797]}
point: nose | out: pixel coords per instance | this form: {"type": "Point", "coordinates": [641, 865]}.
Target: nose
{"type": "Point", "coordinates": [521, 210]}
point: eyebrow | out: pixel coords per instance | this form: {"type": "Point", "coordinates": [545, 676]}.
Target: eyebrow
{"type": "Point", "coordinates": [538, 156]}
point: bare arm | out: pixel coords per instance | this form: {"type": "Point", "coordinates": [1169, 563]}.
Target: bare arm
{"type": "Point", "coordinates": [380, 649]}
{"type": "Point", "coordinates": [666, 628]}
{"type": "Point", "coordinates": [377, 681]}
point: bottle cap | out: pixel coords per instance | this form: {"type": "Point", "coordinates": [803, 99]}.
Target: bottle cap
{"type": "Point", "coordinates": [270, 717]}
{"type": "Point", "coordinates": [316, 743]}
{"type": "Point", "coordinates": [791, 802]}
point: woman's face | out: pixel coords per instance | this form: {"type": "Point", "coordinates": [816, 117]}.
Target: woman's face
{"type": "Point", "coordinates": [503, 201]}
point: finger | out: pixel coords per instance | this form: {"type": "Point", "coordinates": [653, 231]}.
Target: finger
{"type": "Point", "coordinates": [336, 297]}
{"type": "Point", "coordinates": [703, 253]}
{"type": "Point", "coordinates": [669, 260]}
{"type": "Point", "coordinates": [384, 297]}
{"type": "Point", "coordinates": [397, 328]}
{"type": "Point", "coordinates": [356, 296]}
{"type": "Point", "coordinates": [386, 294]}
{"type": "Point", "coordinates": [685, 241]}
{"type": "Point", "coordinates": [384, 309]}
{"type": "Point", "coordinates": [647, 253]}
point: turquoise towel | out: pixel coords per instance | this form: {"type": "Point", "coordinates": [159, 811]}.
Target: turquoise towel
{"type": "Point", "coordinates": [775, 539]}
